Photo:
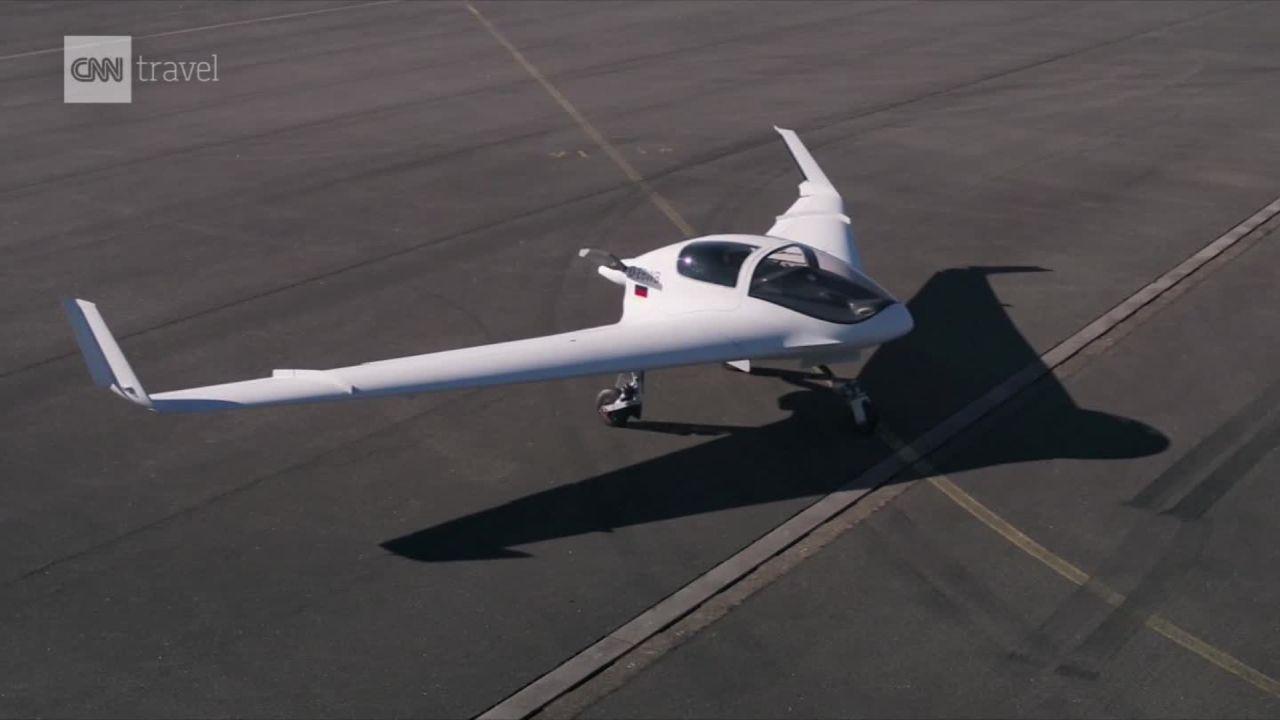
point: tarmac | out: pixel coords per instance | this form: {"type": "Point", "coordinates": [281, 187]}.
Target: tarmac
{"type": "Point", "coordinates": [371, 181]}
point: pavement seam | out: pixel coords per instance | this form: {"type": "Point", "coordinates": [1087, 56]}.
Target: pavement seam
{"type": "Point", "coordinates": [571, 704]}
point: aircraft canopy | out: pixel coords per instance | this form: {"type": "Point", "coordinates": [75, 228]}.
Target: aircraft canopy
{"type": "Point", "coordinates": [817, 284]}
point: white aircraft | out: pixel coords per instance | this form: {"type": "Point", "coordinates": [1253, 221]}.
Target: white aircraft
{"type": "Point", "coordinates": [796, 292]}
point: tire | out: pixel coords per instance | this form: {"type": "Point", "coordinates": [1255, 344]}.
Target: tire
{"type": "Point", "coordinates": [612, 418]}
{"type": "Point", "coordinates": [866, 425]}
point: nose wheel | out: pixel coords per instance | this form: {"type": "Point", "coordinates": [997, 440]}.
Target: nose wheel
{"type": "Point", "coordinates": [623, 401]}
{"type": "Point", "coordinates": [865, 415]}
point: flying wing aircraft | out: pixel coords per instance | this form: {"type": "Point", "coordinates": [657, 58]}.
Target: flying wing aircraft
{"type": "Point", "coordinates": [796, 292]}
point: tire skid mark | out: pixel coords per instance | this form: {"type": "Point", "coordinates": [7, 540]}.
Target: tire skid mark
{"type": "Point", "coordinates": [1169, 543]}
{"type": "Point", "coordinates": [1228, 437]}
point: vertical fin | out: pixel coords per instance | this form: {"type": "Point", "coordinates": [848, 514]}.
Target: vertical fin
{"type": "Point", "coordinates": [815, 181]}
{"type": "Point", "coordinates": [107, 364]}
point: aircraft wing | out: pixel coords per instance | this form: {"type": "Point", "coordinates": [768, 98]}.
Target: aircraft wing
{"type": "Point", "coordinates": [607, 349]}
{"type": "Point", "coordinates": [817, 218]}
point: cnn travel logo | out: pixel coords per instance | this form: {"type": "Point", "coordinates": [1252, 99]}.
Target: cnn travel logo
{"type": "Point", "coordinates": [97, 68]}
{"type": "Point", "coordinates": [100, 69]}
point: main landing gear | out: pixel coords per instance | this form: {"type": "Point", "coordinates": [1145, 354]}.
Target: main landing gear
{"type": "Point", "coordinates": [623, 401]}
{"type": "Point", "coordinates": [865, 415]}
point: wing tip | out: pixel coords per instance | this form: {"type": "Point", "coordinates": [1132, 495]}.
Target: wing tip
{"type": "Point", "coordinates": [107, 364]}
{"type": "Point", "coordinates": [75, 303]}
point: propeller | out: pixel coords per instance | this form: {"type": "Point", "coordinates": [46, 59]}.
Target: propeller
{"type": "Point", "coordinates": [603, 258]}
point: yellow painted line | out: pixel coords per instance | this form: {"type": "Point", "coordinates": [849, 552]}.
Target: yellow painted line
{"type": "Point", "coordinates": [1020, 539]}
{"type": "Point", "coordinates": [1066, 569]}
{"type": "Point", "coordinates": [983, 513]}
{"type": "Point", "coordinates": [596, 136]}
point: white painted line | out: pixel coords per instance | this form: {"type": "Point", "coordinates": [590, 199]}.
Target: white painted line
{"type": "Point", "coordinates": [202, 28]}
{"type": "Point", "coordinates": [573, 672]}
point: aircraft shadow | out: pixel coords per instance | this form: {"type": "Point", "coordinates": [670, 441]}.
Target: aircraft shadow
{"type": "Point", "coordinates": [964, 343]}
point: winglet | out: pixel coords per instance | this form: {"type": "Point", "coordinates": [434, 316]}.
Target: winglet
{"type": "Point", "coordinates": [815, 181]}
{"type": "Point", "coordinates": [107, 364]}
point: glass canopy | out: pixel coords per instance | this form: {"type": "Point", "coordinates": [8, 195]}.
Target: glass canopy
{"type": "Point", "coordinates": [713, 261]}
{"type": "Point", "coordinates": [817, 284]}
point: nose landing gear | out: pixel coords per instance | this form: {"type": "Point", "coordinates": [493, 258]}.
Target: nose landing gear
{"type": "Point", "coordinates": [623, 401]}
{"type": "Point", "coordinates": [865, 415]}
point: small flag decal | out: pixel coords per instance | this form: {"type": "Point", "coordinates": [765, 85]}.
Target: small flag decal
{"type": "Point", "coordinates": [642, 291]}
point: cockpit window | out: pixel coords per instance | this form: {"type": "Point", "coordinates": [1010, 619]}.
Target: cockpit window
{"type": "Point", "coordinates": [812, 282]}
{"type": "Point", "coordinates": [713, 261]}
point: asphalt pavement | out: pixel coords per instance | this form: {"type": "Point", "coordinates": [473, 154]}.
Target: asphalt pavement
{"type": "Point", "coordinates": [371, 181]}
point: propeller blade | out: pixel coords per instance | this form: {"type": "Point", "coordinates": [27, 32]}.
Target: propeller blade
{"type": "Point", "coordinates": [604, 258]}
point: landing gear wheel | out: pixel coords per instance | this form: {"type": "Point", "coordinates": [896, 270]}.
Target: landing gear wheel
{"type": "Point", "coordinates": [621, 403]}
{"type": "Point", "coordinates": [865, 415]}
{"type": "Point", "coordinates": [613, 418]}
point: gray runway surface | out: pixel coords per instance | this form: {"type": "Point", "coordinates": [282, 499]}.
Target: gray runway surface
{"type": "Point", "coordinates": [386, 180]}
